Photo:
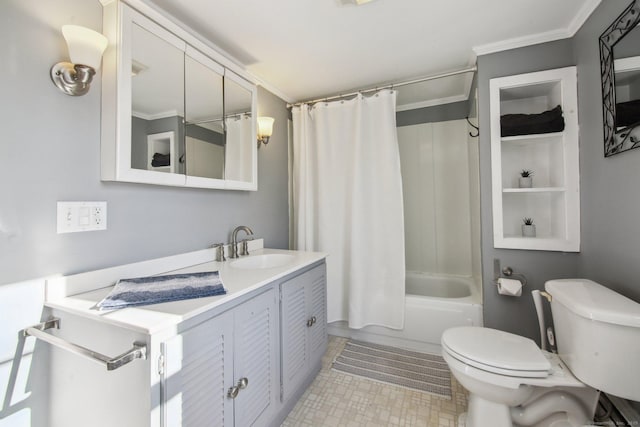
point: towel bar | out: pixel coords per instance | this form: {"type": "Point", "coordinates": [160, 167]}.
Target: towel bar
{"type": "Point", "coordinates": [139, 350]}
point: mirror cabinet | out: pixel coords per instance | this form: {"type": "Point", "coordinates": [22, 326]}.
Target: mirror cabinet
{"type": "Point", "coordinates": [172, 114]}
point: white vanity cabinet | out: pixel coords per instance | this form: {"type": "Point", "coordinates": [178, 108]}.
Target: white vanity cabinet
{"type": "Point", "coordinates": [223, 372]}
{"type": "Point", "coordinates": [304, 328]}
{"type": "Point", "coordinates": [553, 201]}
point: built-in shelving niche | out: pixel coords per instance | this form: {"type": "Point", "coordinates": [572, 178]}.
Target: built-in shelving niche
{"type": "Point", "coordinates": [553, 201]}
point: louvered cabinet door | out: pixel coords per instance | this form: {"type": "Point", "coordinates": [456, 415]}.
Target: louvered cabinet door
{"type": "Point", "coordinates": [304, 327]}
{"type": "Point", "coordinates": [294, 334]}
{"type": "Point", "coordinates": [198, 367]}
{"type": "Point", "coordinates": [255, 364]}
{"type": "Point", "coordinates": [317, 309]}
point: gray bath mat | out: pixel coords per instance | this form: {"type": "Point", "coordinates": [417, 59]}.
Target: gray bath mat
{"type": "Point", "coordinates": [411, 369]}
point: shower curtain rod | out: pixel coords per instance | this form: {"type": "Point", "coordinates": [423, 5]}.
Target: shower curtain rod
{"type": "Point", "coordinates": [388, 86]}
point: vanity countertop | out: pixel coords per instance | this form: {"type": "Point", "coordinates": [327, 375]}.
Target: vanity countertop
{"type": "Point", "coordinates": [157, 317]}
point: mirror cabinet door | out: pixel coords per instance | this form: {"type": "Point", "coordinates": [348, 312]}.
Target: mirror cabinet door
{"type": "Point", "coordinates": [157, 101]}
{"type": "Point", "coordinates": [240, 125]}
{"type": "Point", "coordinates": [204, 126]}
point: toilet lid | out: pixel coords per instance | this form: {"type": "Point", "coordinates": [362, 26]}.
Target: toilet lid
{"type": "Point", "coordinates": [496, 351]}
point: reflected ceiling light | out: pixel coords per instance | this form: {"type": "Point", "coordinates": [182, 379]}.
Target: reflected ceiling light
{"type": "Point", "coordinates": [353, 2]}
{"type": "Point", "coordinates": [265, 129]}
{"type": "Point", "coordinates": [85, 51]}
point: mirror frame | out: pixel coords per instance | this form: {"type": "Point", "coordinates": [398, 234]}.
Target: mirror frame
{"type": "Point", "coordinates": [615, 141]}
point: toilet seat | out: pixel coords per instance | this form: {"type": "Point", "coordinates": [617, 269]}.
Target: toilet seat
{"type": "Point", "coordinates": [496, 351]}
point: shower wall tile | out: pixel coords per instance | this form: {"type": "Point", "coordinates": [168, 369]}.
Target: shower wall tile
{"type": "Point", "coordinates": [474, 199]}
{"type": "Point", "coordinates": [436, 185]}
{"type": "Point", "coordinates": [416, 156]}
{"type": "Point", "coordinates": [453, 213]}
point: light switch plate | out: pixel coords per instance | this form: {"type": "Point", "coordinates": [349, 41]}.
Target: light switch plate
{"type": "Point", "coordinates": [74, 217]}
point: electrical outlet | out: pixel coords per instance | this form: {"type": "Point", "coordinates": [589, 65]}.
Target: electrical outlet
{"type": "Point", "coordinates": [81, 216]}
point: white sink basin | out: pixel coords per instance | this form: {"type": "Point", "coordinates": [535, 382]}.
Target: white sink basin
{"type": "Point", "coordinates": [262, 261]}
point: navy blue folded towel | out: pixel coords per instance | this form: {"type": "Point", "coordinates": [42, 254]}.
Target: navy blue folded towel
{"type": "Point", "coordinates": [157, 289]}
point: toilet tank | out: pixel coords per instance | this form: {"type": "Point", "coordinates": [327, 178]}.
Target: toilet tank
{"type": "Point", "coordinates": [598, 335]}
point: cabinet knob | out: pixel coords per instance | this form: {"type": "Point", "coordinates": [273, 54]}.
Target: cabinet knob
{"type": "Point", "coordinates": [311, 321]}
{"type": "Point", "coordinates": [233, 392]}
{"type": "Point", "coordinates": [242, 384]}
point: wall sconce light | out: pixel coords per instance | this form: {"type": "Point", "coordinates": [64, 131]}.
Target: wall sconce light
{"type": "Point", "coordinates": [85, 51]}
{"type": "Point", "coordinates": [265, 129]}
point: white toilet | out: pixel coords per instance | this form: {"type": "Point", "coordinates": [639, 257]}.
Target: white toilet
{"type": "Point", "coordinates": [511, 382]}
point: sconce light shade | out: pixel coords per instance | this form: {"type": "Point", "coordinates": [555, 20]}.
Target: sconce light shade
{"type": "Point", "coordinates": [85, 46]}
{"type": "Point", "coordinates": [85, 51]}
{"type": "Point", "coordinates": [265, 129]}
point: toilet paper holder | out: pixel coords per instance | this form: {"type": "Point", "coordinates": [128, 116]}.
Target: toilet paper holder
{"type": "Point", "coordinates": [507, 272]}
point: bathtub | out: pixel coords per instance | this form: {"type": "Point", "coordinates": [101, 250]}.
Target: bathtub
{"type": "Point", "coordinates": [433, 304]}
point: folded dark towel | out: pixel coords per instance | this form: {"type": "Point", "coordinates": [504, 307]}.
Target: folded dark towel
{"type": "Point", "coordinates": [528, 124]}
{"type": "Point", "coordinates": [628, 113]}
{"type": "Point", "coordinates": [161, 160]}
{"type": "Point", "coordinates": [156, 289]}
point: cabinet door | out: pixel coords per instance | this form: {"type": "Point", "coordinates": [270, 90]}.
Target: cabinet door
{"type": "Point", "coordinates": [304, 327]}
{"type": "Point", "coordinates": [294, 334]}
{"type": "Point", "coordinates": [255, 359]}
{"type": "Point", "coordinates": [317, 308]}
{"type": "Point", "coordinates": [198, 371]}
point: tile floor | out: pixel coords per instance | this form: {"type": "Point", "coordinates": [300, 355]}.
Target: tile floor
{"type": "Point", "coordinates": [337, 399]}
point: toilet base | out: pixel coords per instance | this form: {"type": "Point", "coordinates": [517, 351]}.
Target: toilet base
{"type": "Point", "coordinates": [547, 407]}
{"type": "Point", "coordinates": [485, 413]}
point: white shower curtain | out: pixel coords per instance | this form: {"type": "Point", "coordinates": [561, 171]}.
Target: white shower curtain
{"type": "Point", "coordinates": [347, 201]}
{"type": "Point", "coordinates": [237, 153]}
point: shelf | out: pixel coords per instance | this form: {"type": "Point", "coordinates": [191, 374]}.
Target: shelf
{"type": "Point", "coordinates": [537, 136]}
{"type": "Point", "coordinates": [534, 190]}
{"type": "Point", "coordinates": [161, 168]}
{"type": "Point", "coordinates": [536, 243]}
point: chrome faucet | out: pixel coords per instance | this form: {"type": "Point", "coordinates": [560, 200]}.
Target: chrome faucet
{"type": "Point", "coordinates": [234, 241]}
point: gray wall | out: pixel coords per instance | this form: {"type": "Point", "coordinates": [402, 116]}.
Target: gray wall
{"type": "Point", "coordinates": [437, 113]}
{"type": "Point", "coordinates": [59, 159]}
{"type": "Point", "coordinates": [515, 315]}
{"type": "Point", "coordinates": [609, 202]}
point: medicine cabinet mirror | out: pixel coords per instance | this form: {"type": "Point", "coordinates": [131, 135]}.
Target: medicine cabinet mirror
{"type": "Point", "coordinates": [171, 114]}
{"type": "Point", "coordinates": [620, 68]}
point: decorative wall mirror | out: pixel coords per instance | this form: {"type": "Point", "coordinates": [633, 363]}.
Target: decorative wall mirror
{"type": "Point", "coordinates": [620, 72]}
{"type": "Point", "coordinates": [171, 114]}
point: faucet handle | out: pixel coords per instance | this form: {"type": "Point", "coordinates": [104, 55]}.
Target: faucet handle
{"type": "Point", "coordinates": [219, 251]}
{"type": "Point", "coordinates": [245, 247]}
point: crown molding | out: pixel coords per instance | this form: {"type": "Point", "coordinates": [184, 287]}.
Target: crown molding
{"type": "Point", "coordinates": [581, 17]}
{"type": "Point", "coordinates": [521, 42]}
{"type": "Point", "coordinates": [564, 33]}
{"type": "Point", "coordinates": [432, 102]}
